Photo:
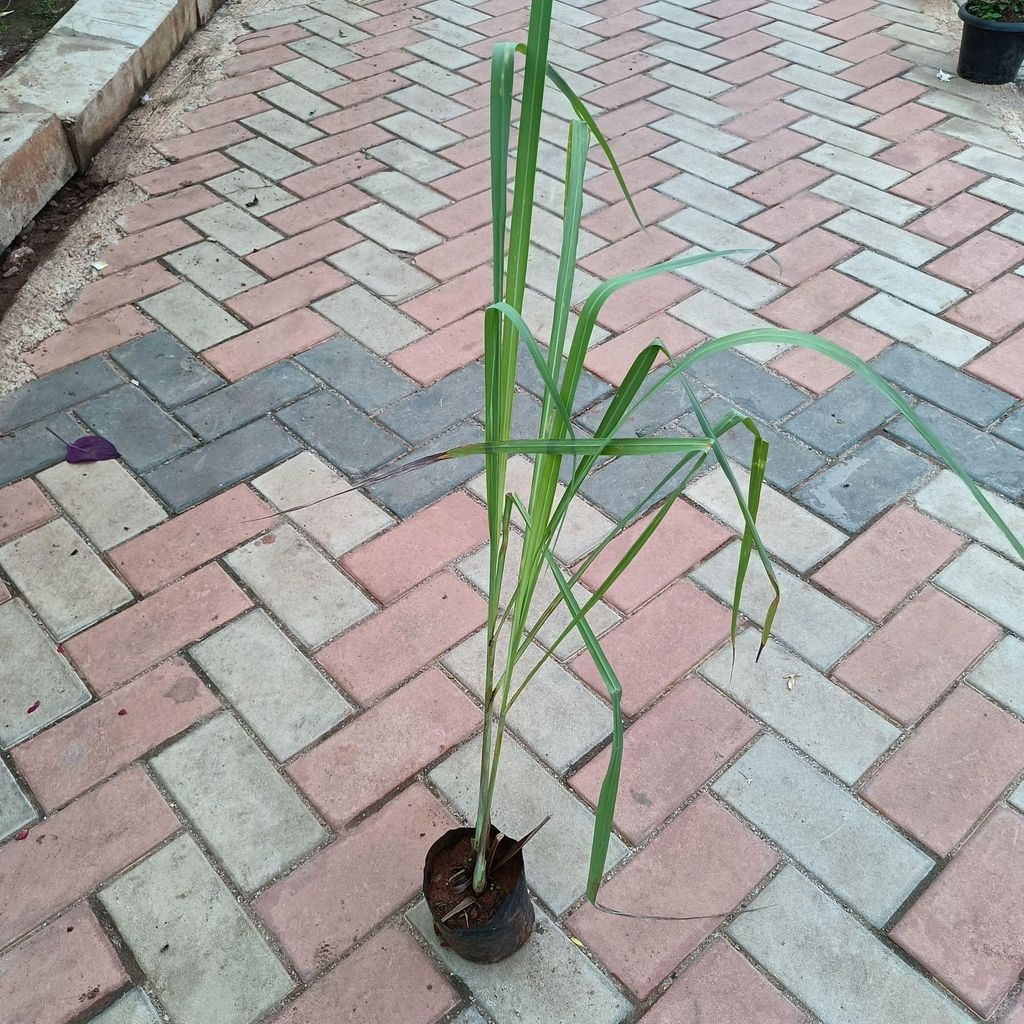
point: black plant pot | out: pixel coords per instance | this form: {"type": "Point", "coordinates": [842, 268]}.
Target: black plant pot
{"type": "Point", "coordinates": [505, 932]}
{"type": "Point", "coordinates": [991, 52]}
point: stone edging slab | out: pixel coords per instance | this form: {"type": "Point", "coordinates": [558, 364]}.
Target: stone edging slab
{"type": "Point", "coordinates": [66, 96]}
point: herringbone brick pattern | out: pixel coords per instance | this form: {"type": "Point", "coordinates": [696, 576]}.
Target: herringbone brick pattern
{"type": "Point", "coordinates": [228, 735]}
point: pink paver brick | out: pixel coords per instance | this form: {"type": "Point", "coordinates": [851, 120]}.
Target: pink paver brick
{"type": "Point", "coordinates": [816, 372]}
{"type": "Point", "coordinates": [633, 145]}
{"type": "Point", "coordinates": [723, 987]}
{"type": "Point", "coordinates": [176, 547]}
{"type": "Point", "coordinates": [344, 144]}
{"type": "Point", "coordinates": [619, 45]}
{"type": "Point", "coordinates": [329, 176]}
{"type": "Point", "coordinates": [355, 117]}
{"type": "Point", "coordinates": [757, 65]}
{"type": "Point", "coordinates": [303, 249]}
{"type": "Point", "coordinates": [782, 182]}
{"type": "Point", "coordinates": [181, 147]}
{"type": "Point", "coordinates": [167, 208]}
{"type": "Point", "coordinates": [617, 221]}
{"type": "Point", "coordinates": [463, 215]}
{"type": "Point", "coordinates": [879, 568]}
{"type": "Point", "coordinates": [974, 263]}
{"type": "Point", "coordinates": [639, 174]}
{"type": "Point", "coordinates": [816, 301]}
{"type": "Point", "coordinates": [705, 862]}
{"type": "Point", "coordinates": [792, 217]}
{"type": "Point", "coordinates": [5, 594]}
{"type": "Point", "coordinates": [875, 70]}
{"type": "Point", "coordinates": [921, 151]}
{"type": "Point", "coordinates": [634, 115]}
{"type": "Point", "coordinates": [466, 182]}
{"type": "Point", "coordinates": [916, 656]}
{"type": "Point", "coordinates": [60, 972]}
{"type": "Point", "coordinates": [287, 293]}
{"type": "Point", "coordinates": [904, 122]}
{"type": "Point", "coordinates": [812, 252]}
{"type": "Point", "coordinates": [452, 300]}
{"type": "Point", "coordinates": [379, 751]}
{"type": "Point", "coordinates": [735, 24]}
{"type": "Point", "coordinates": [635, 303]}
{"type": "Point", "coordinates": [325, 906]}
{"type": "Point", "coordinates": [744, 45]}
{"type": "Point", "coordinates": [612, 359]}
{"type": "Point", "coordinates": [864, 47]}
{"type": "Point", "coordinates": [653, 245]}
{"type": "Point", "coordinates": [685, 537]}
{"type": "Point", "coordinates": [389, 565]}
{"type": "Point", "coordinates": [968, 927]}
{"type": "Point", "coordinates": [766, 121]}
{"type": "Point", "coordinates": [162, 624]}
{"type": "Point", "coordinates": [147, 245]}
{"type": "Point", "coordinates": [937, 184]}
{"type": "Point", "coordinates": [89, 338]}
{"type": "Point", "coordinates": [436, 355]}
{"type": "Point", "coordinates": [214, 114]}
{"type": "Point", "coordinates": [392, 645]}
{"type": "Point", "coordinates": [858, 25]}
{"type": "Point", "coordinates": [456, 256]}
{"type": "Point", "coordinates": [352, 993]}
{"type": "Point", "coordinates": [947, 775]}
{"type": "Point", "coordinates": [188, 172]}
{"type": "Point", "coordinates": [269, 37]}
{"type": "Point", "coordinates": [252, 351]}
{"type": "Point", "coordinates": [957, 219]}
{"type": "Point", "coordinates": [106, 293]}
{"type": "Point", "coordinates": [755, 93]}
{"type": "Point", "coordinates": [889, 95]}
{"type": "Point", "coordinates": [669, 753]}
{"type": "Point", "coordinates": [78, 848]}
{"type": "Point", "coordinates": [768, 152]}
{"type": "Point", "coordinates": [104, 737]}
{"type": "Point", "coordinates": [1003, 365]}
{"type": "Point", "coordinates": [256, 61]}
{"type": "Point", "coordinates": [239, 85]}
{"type": "Point", "coordinates": [319, 210]}
{"type": "Point", "coordinates": [629, 89]}
{"type": "Point", "coordinates": [994, 311]}
{"type": "Point", "coordinates": [623, 67]}
{"type": "Point", "coordinates": [23, 507]}
{"type": "Point", "coordinates": [645, 664]}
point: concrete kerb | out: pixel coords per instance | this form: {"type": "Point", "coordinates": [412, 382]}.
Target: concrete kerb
{"type": "Point", "coordinates": [68, 94]}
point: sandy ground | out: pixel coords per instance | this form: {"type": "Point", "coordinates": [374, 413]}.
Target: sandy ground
{"type": "Point", "coordinates": [183, 86]}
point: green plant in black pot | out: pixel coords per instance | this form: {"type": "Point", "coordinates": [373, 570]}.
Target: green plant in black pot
{"type": "Point", "coordinates": [992, 43]}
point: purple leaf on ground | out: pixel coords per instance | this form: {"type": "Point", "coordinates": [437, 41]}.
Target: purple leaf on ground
{"type": "Point", "coordinates": [88, 449]}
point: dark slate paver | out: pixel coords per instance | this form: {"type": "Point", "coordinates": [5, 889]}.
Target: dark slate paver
{"type": "Point", "coordinates": [247, 400]}
{"type": "Point", "coordinates": [749, 385]}
{"type": "Point", "coordinates": [359, 374]}
{"type": "Point", "coordinates": [1012, 428]}
{"type": "Point", "coordinates": [840, 418]}
{"type": "Point", "coordinates": [57, 391]}
{"type": "Point", "coordinates": [438, 407]}
{"type": "Point", "coordinates": [861, 486]}
{"type": "Point", "coordinates": [30, 449]}
{"type": "Point", "coordinates": [342, 434]}
{"type": "Point", "coordinates": [237, 456]}
{"type": "Point", "coordinates": [143, 433]}
{"type": "Point", "coordinates": [590, 389]}
{"type": "Point", "coordinates": [942, 385]}
{"type": "Point", "coordinates": [168, 370]}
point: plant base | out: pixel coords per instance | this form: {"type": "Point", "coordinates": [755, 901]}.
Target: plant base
{"type": "Point", "coordinates": [991, 52]}
{"type": "Point", "coordinates": [502, 920]}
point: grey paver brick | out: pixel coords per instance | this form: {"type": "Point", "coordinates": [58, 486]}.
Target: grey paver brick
{"type": "Point", "coordinates": [189, 315]}
{"type": "Point", "coordinates": [55, 392]}
{"type": "Point", "coordinates": [817, 627]}
{"type": "Point", "coordinates": [359, 374]}
{"type": "Point", "coordinates": [376, 324]}
{"type": "Point", "coordinates": [736, 284]}
{"type": "Point", "coordinates": [548, 979]}
{"type": "Point", "coordinates": [438, 79]}
{"type": "Point", "coordinates": [282, 128]}
{"type": "Point", "coordinates": [685, 56]}
{"type": "Point", "coordinates": [836, 134]}
{"type": "Point", "coordinates": [199, 474]}
{"type": "Point", "coordinates": [796, 54]}
{"type": "Point", "coordinates": [381, 271]}
{"type": "Point", "coordinates": [747, 384]}
{"type": "Point", "coordinates": [913, 286]}
{"type": "Point", "coordinates": [309, 74]}
{"type": "Point", "coordinates": [16, 810]}
{"type": "Point", "coordinates": [808, 78]}
{"type": "Point", "coordinates": [857, 854]}
{"type": "Point", "coordinates": [31, 670]}
{"type": "Point", "coordinates": [214, 270]}
{"type": "Point", "coordinates": [62, 578]}
{"type": "Point", "coordinates": [696, 133]}
{"type": "Point", "coordinates": [422, 131]}
{"type": "Point", "coordinates": [991, 461]}
{"type": "Point", "coordinates": [716, 315]}
{"type": "Point", "coordinates": [134, 1007]}
{"type": "Point", "coordinates": [434, 409]}
{"type": "Point", "coordinates": [411, 160]}
{"type": "Point", "coordinates": [557, 716]}
{"type": "Point", "coordinates": [853, 165]}
{"type": "Point", "coordinates": [246, 400]}
{"type": "Point", "coordinates": [430, 104]}
{"type": "Point", "coordinates": [832, 964]}
{"type": "Point", "coordinates": [999, 673]}
{"type": "Point", "coordinates": [711, 198]}
{"type": "Point", "coordinates": [298, 102]}
{"type": "Point", "coordinates": [864, 484]}
{"type": "Point", "coordinates": [323, 51]}
{"type": "Point", "coordinates": [989, 583]}
{"type": "Point", "coordinates": [590, 389]}
{"type": "Point", "coordinates": [403, 193]}
{"type": "Point", "coordinates": [267, 158]}
{"type": "Point", "coordinates": [234, 228]}
{"type": "Point", "coordinates": [842, 416]}
{"type": "Point", "coordinates": [141, 431]}
{"type": "Point", "coordinates": [29, 449]}
{"type": "Point", "coordinates": [937, 382]}
{"type": "Point", "coordinates": [908, 248]}
{"type": "Point", "coordinates": [342, 434]}
{"type": "Point", "coordinates": [689, 157]}
{"type": "Point", "coordinates": [104, 499]}
{"type": "Point", "coordinates": [713, 233]}
{"type": "Point", "coordinates": [690, 81]}
{"type": "Point", "coordinates": [1000, 191]}
{"type": "Point", "coordinates": [999, 164]}
{"type": "Point", "coordinates": [557, 858]}
{"type": "Point", "coordinates": [294, 704]}
{"type": "Point", "coordinates": [801, 36]}
{"type": "Point", "coordinates": [166, 368]}
{"type": "Point", "coordinates": [251, 819]}
{"type": "Point", "coordinates": [202, 954]}
{"type": "Point", "coordinates": [309, 594]}
{"type": "Point", "coordinates": [245, 187]}
{"type": "Point", "coordinates": [873, 201]}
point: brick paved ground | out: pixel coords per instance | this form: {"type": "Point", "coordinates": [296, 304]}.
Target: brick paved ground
{"type": "Point", "coordinates": [228, 739]}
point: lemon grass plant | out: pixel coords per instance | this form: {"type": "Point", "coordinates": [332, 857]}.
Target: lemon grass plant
{"type": "Point", "coordinates": [558, 449]}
